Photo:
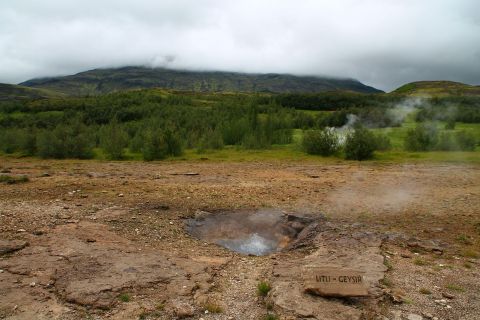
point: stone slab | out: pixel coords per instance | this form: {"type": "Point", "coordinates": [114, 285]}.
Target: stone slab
{"type": "Point", "coordinates": [334, 282]}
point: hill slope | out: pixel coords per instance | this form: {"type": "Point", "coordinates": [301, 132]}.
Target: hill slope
{"type": "Point", "coordinates": [438, 88]}
{"type": "Point", "coordinates": [14, 92]}
{"type": "Point", "coordinates": [101, 81]}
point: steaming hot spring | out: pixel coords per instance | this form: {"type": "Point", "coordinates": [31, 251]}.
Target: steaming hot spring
{"type": "Point", "coordinates": [257, 232]}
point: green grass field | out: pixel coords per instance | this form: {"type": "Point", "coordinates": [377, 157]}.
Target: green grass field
{"type": "Point", "coordinates": [397, 134]}
{"type": "Point", "coordinates": [293, 152]}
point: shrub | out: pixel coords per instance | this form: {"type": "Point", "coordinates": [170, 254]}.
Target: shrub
{"type": "Point", "coordinates": [420, 262]}
{"type": "Point", "coordinates": [360, 144]}
{"type": "Point", "coordinates": [446, 142]}
{"type": "Point", "coordinates": [387, 282]}
{"type": "Point", "coordinates": [66, 141]}
{"type": "Point", "coordinates": [211, 140]}
{"type": "Point", "coordinates": [263, 288]}
{"type": "Point", "coordinates": [8, 141]}
{"type": "Point", "coordinates": [461, 140]}
{"type": "Point", "coordinates": [450, 124]}
{"type": "Point", "coordinates": [213, 307]}
{"type": "Point", "coordinates": [466, 141]}
{"type": "Point", "coordinates": [455, 287]}
{"type": "Point", "coordinates": [469, 253]}
{"type": "Point", "coordinates": [48, 145]}
{"type": "Point", "coordinates": [424, 137]}
{"type": "Point", "coordinates": [124, 297]}
{"type": "Point", "coordinates": [255, 140]}
{"type": "Point", "coordinates": [465, 239]}
{"type": "Point", "coordinates": [18, 140]}
{"type": "Point", "coordinates": [13, 179]}
{"type": "Point", "coordinates": [425, 291]}
{"type": "Point", "coordinates": [382, 142]}
{"type": "Point", "coordinates": [137, 141]}
{"type": "Point", "coordinates": [321, 142]}
{"type": "Point", "coordinates": [233, 132]}
{"type": "Point", "coordinates": [282, 136]}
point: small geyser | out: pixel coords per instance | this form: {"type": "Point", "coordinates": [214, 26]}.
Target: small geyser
{"type": "Point", "coordinates": [258, 232]}
{"type": "Point", "coordinates": [254, 244]}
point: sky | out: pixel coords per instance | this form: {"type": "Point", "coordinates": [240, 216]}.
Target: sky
{"type": "Point", "coordinates": [382, 43]}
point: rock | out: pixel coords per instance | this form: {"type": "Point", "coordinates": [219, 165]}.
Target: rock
{"type": "Point", "coordinates": [333, 249]}
{"type": "Point", "coordinates": [426, 245]}
{"type": "Point", "coordinates": [406, 255]}
{"type": "Point", "coordinates": [427, 315]}
{"type": "Point", "coordinates": [448, 295]}
{"type": "Point", "coordinates": [100, 272]}
{"type": "Point", "coordinates": [45, 174]}
{"type": "Point", "coordinates": [396, 295]}
{"type": "Point", "coordinates": [396, 315]}
{"type": "Point", "coordinates": [182, 309]}
{"type": "Point", "coordinates": [413, 316]}
{"type": "Point", "coordinates": [334, 282]}
{"type": "Point", "coordinates": [191, 174]}
{"type": "Point", "coordinates": [441, 302]}
{"type": "Point", "coordinates": [297, 226]}
{"type": "Point", "coordinates": [8, 246]}
{"type": "Point", "coordinates": [64, 216]}
{"type": "Point", "coordinates": [201, 215]}
{"type": "Point", "coordinates": [200, 299]}
{"type": "Point", "coordinates": [120, 195]}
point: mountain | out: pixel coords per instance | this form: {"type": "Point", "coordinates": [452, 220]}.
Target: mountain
{"type": "Point", "coordinates": [14, 92]}
{"type": "Point", "coordinates": [438, 88]}
{"type": "Point", "coordinates": [100, 81]}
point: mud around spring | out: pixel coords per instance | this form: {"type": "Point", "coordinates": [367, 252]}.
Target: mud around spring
{"type": "Point", "coordinates": [107, 240]}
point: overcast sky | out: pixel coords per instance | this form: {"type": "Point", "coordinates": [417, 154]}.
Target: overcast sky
{"type": "Point", "coordinates": [383, 43]}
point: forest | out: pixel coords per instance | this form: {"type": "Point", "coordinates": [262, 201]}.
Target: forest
{"type": "Point", "coordinates": [158, 124]}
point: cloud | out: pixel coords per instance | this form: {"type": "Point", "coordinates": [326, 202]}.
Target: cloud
{"type": "Point", "coordinates": [384, 43]}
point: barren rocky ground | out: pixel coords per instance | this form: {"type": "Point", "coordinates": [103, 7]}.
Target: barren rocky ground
{"type": "Point", "coordinates": [107, 240]}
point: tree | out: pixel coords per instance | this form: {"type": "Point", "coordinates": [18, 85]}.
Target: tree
{"type": "Point", "coordinates": [113, 139]}
{"type": "Point", "coordinates": [173, 142]}
{"type": "Point", "coordinates": [154, 147]}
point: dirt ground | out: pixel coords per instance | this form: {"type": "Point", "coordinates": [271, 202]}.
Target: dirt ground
{"type": "Point", "coordinates": [106, 240]}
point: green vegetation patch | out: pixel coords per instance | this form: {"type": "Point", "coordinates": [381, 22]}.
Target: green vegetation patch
{"type": "Point", "coordinates": [8, 179]}
{"type": "Point", "coordinates": [263, 288]}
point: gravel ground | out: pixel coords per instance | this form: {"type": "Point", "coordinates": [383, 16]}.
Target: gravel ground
{"type": "Point", "coordinates": [428, 214]}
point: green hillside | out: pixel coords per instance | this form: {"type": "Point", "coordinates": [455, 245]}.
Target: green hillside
{"type": "Point", "coordinates": [13, 92]}
{"type": "Point", "coordinates": [438, 88]}
{"type": "Point", "coordinates": [102, 81]}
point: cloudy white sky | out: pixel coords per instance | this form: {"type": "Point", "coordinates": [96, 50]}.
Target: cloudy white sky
{"type": "Point", "coordinates": [383, 43]}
